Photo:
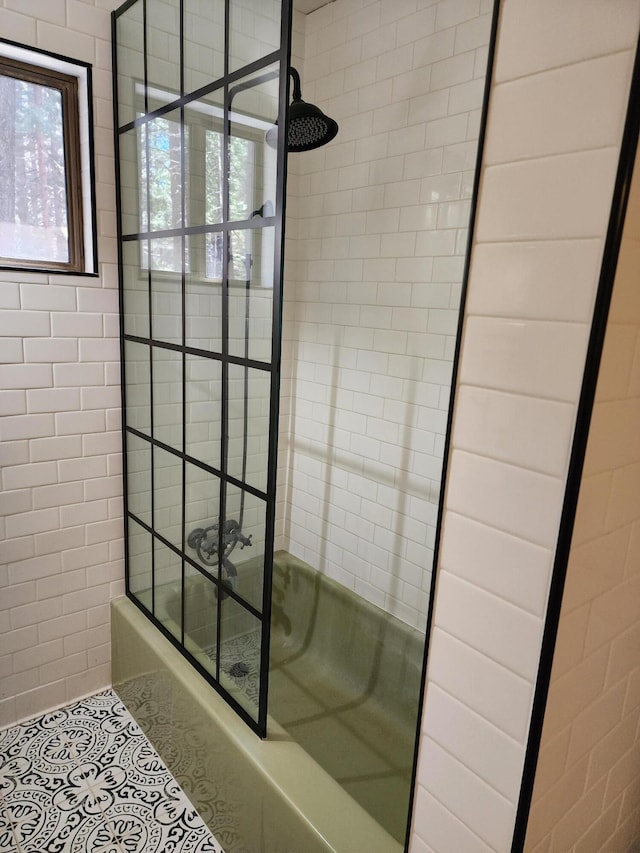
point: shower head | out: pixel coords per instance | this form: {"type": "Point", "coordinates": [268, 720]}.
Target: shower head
{"type": "Point", "coordinates": [307, 126]}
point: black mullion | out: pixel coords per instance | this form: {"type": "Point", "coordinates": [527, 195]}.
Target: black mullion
{"type": "Point", "coordinates": [224, 395]}
{"type": "Point", "coordinates": [123, 395]}
{"type": "Point", "coordinates": [181, 25]}
{"type": "Point", "coordinates": [198, 463]}
{"type": "Point", "coordinates": [150, 306]}
{"type": "Point", "coordinates": [144, 56]}
{"type": "Point", "coordinates": [266, 367]}
{"type": "Point", "coordinates": [203, 91]}
{"type": "Point", "coordinates": [238, 225]}
{"type": "Point", "coordinates": [276, 334]}
{"type": "Point", "coordinates": [183, 287]}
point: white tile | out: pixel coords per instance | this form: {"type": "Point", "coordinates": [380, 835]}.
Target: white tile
{"type": "Point", "coordinates": [508, 427]}
{"type": "Point", "coordinates": [452, 71]}
{"type": "Point", "coordinates": [473, 33]}
{"type": "Point", "coordinates": [24, 323]}
{"type": "Point", "coordinates": [485, 812]}
{"type": "Point", "coordinates": [491, 754]}
{"type": "Point", "coordinates": [537, 34]}
{"type": "Point", "coordinates": [26, 426]}
{"type": "Point", "coordinates": [537, 280]}
{"type": "Point", "coordinates": [444, 831]}
{"type": "Point", "coordinates": [495, 693]}
{"type": "Point", "coordinates": [574, 108]}
{"type": "Point", "coordinates": [451, 13]}
{"type": "Point", "coordinates": [508, 566]}
{"type": "Point", "coordinates": [49, 297]}
{"type": "Point", "coordinates": [547, 198]}
{"type": "Point", "coordinates": [489, 624]}
{"type": "Point", "coordinates": [50, 349]}
{"type": "Point", "coordinates": [53, 400]}
{"type": "Point", "coordinates": [613, 436]}
{"type": "Point", "coordinates": [518, 501]}
{"type": "Point", "coordinates": [529, 357]}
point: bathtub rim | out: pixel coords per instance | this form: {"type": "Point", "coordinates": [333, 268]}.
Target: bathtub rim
{"type": "Point", "coordinates": [278, 760]}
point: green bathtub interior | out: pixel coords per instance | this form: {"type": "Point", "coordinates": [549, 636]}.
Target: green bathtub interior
{"type": "Point", "coordinates": [343, 698]}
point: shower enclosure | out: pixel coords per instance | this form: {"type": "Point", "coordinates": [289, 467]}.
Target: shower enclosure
{"type": "Point", "coordinates": [201, 207]}
{"type": "Point", "coordinates": [305, 579]}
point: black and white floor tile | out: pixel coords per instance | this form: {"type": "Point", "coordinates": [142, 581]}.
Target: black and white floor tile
{"type": "Point", "coordinates": [84, 779]}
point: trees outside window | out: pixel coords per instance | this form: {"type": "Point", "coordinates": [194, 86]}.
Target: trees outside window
{"type": "Point", "coordinates": [41, 210]}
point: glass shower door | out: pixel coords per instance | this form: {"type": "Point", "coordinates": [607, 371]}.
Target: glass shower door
{"type": "Point", "coordinates": [200, 202]}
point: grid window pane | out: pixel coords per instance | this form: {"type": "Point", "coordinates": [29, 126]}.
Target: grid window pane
{"type": "Point", "coordinates": [203, 42]}
{"type": "Point", "coordinates": [203, 294]}
{"type": "Point", "coordinates": [137, 386]}
{"type": "Point", "coordinates": [168, 588]}
{"type": "Point", "coordinates": [248, 442]}
{"type": "Point", "coordinates": [163, 50]}
{"type": "Point", "coordinates": [130, 56]}
{"type": "Point", "coordinates": [252, 162]}
{"type": "Point", "coordinates": [203, 413]}
{"type": "Point", "coordinates": [135, 285]}
{"type": "Point", "coordinates": [251, 294]}
{"type": "Point", "coordinates": [202, 517]}
{"type": "Point", "coordinates": [139, 477]}
{"type": "Point", "coordinates": [201, 618]}
{"type": "Point", "coordinates": [246, 519]}
{"type": "Point", "coordinates": [167, 397]}
{"type": "Point", "coordinates": [167, 496]}
{"type": "Point", "coordinates": [140, 546]}
{"type": "Point", "coordinates": [166, 289]}
{"type": "Point", "coordinates": [240, 644]}
{"type": "Point", "coordinates": [254, 27]}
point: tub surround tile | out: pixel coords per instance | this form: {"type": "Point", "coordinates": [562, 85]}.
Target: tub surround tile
{"type": "Point", "coordinates": [537, 358]}
{"type": "Point", "coordinates": [498, 629]}
{"type": "Point", "coordinates": [521, 502]}
{"type": "Point", "coordinates": [551, 280]}
{"type": "Point", "coordinates": [561, 204]}
{"type": "Point", "coordinates": [567, 109]}
{"type": "Point", "coordinates": [85, 777]}
{"type": "Point", "coordinates": [485, 812]}
{"type": "Point", "coordinates": [443, 829]}
{"type": "Point", "coordinates": [508, 427]}
{"type": "Point", "coordinates": [537, 37]}
{"type": "Point", "coordinates": [486, 687]}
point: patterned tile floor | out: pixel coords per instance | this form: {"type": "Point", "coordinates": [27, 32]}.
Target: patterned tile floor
{"type": "Point", "coordinates": [84, 779]}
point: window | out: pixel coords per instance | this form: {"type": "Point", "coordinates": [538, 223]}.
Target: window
{"type": "Point", "coordinates": [46, 186]}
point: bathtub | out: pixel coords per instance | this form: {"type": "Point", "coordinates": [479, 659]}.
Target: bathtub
{"type": "Point", "coordinates": [343, 696]}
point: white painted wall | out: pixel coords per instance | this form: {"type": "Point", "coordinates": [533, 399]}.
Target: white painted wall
{"type": "Point", "coordinates": [555, 123]}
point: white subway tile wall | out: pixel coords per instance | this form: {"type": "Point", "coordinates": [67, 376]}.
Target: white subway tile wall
{"type": "Point", "coordinates": [555, 122]}
{"type": "Point", "coordinates": [62, 553]}
{"type": "Point", "coordinates": [376, 235]}
{"type": "Point", "coordinates": [590, 734]}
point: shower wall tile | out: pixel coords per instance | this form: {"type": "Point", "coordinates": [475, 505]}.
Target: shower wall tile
{"type": "Point", "coordinates": [554, 280]}
{"type": "Point", "coordinates": [538, 37]}
{"type": "Point", "coordinates": [578, 103]}
{"type": "Point", "coordinates": [598, 632]}
{"type": "Point", "coordinates": [60, 352]}
{"type": "Point", "coordinates": [546, 190]}
{"type": "Point", "coordinates": [370, 300]}
{"type": "Point", "coordinates": [564, 205]}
